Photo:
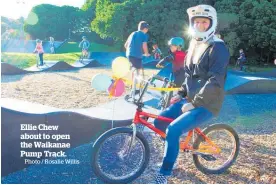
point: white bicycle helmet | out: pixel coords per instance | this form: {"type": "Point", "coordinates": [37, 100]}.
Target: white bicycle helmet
{"type": "Point", "coordinates": [206, 11]}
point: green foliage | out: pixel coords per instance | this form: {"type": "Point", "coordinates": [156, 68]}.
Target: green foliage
{"type": "Point", "coordinates": [232, 41]}
{"type": "Point", "coordinates": [254, 31]}
{"type": "Point", "coordinates": [89, 7]}
{"type": "Point", "coordinates": [10, 28]}
{"type": "Point", "coordinates": [117, 19]}
{"type": "Point", "coordinates": [56, 21]}
{"type": "Point", "coordinates": [225, 20]}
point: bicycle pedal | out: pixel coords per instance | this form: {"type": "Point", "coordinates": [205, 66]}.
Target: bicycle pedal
{"type": "Point", "coordinates": [208, 157]}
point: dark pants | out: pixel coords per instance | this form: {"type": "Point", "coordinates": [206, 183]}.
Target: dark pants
{"type": "Point", "coordinates": [136, 62]}
{"type": "Point", "coordinates": [241, 63]}
{"type": "Point", "coordinates": [41, 59]}
{"type": "Point", "coordinates": [179, 77]}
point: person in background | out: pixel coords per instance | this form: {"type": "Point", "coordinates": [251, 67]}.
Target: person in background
{"type": "Point", "coordinates": [241, 60]}
{"type": "Point", "coordinates": [156, 51]}
{"type": "Point", "coordinates": [177, 57]}
{"type": "Point", "coordinates": [84, 45]}
{"type": "Point", "coordinates": [135, 46]}
{"type": "Point", "coordinates": [52, 45]}
{"type": "Point", "coordinates": [39, 50]}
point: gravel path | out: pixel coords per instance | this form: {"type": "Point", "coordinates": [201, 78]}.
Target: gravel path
{"type": "Point", "coordinates": [71, 89]}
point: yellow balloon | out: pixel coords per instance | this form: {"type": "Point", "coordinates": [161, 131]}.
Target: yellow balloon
{"type": "Point", "coordinates": [120, 67]}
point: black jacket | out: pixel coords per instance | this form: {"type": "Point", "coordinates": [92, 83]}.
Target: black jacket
{"type": "Point", "coordinates": [204, 80]}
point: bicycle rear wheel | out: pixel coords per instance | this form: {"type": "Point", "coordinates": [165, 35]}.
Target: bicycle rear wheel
{"type": "Point", "coordinates": [226, 138]}
{"type": "Point", "coordinates": [114, 162]}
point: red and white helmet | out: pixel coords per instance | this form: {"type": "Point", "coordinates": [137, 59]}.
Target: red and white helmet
{"type": "Point", "coordinates": [206, 11]}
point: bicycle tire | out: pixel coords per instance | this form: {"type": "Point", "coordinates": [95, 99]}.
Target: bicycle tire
{"type": "Point", "coordinates": [216, 127]}
{"type": "Point", "coordinates": [100, 141]}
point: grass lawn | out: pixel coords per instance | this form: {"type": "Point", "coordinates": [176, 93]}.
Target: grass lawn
{"type": "Point", "coordinates": [94, 47]}
{"type": "Point", "coordinates": [255, 120]}
{"type": "Point", "coordinates": [24, 60]}
{"type": "Point", "coordinates": [253, 69]}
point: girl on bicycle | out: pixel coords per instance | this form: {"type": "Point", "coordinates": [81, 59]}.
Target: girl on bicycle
{"type": "Point", "coordinates": [176, 56]}
{"type": "Point", "coordinates": [202, 93]}
{"type": "Point", "coordinates": [39, 50]}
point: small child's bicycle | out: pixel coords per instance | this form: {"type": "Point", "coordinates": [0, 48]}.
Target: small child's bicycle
{"type": "Point", "coordinates": [38, 63]}
{"type": "Point", "coordinates": [164, 101]}
{"type": "Point", "coordinates": [84, 55]}
{"type": "Point", "coordinates": [120, 155]}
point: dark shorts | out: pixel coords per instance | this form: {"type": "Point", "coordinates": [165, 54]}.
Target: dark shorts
{"type": "Point", "coordinates": [179, 77]}
{"type": "Point", "coordinates": [136, 62]}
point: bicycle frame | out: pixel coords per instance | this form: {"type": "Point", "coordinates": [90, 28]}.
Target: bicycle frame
{"type": "Point", "coordinates": [211, 148]}
{"type": "Point", "coordinates": [184, 145]}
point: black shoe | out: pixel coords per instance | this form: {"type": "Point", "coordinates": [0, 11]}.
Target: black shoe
{"type": "Point", "coordinates": [129, 98]}
{"type": "Point", "coordinates": [161, 179]}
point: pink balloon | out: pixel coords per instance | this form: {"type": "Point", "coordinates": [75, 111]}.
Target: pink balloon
{"type": "Point", "coordinates": [117, 88]}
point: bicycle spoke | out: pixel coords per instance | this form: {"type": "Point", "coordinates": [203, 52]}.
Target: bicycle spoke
{"type": "Point", "coordinates": [116, 161]}
{"type": "Point", "coordinates": [226, 142]}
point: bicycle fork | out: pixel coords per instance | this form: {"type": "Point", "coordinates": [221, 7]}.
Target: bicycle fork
{"type": "Point", "coordinates": [129, 144]}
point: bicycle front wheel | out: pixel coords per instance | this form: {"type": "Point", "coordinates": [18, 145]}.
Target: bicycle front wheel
{"type": "Point", "coordinates": [114, 160]}
{"type": "Point", "coordinates": [226, 139]}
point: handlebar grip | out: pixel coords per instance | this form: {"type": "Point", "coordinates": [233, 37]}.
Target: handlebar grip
{"type": "Point", "coordinates": [159, 77]}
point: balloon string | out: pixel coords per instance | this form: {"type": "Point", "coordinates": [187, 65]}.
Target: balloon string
{"type": "Point", "coordinates": [113, 110]}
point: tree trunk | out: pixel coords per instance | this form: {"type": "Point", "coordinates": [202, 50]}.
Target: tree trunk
{"type": "Point", "coordinates": [262, 56]}
{"type": "Point", "coordinates": [268, 58]}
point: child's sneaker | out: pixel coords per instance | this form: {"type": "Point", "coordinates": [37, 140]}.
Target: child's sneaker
{"type": "Point", "coordinates": [161, 179]}
{"type": "Point", "coordinates": [129, 98]}
{"type": "Point", "coordinates": [137, 92]}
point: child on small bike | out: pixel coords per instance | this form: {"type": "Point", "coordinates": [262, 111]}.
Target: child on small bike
{"type": "Point", "coordinates": [176, 56]}
{"type": "Point", "coordinates": [84, 45]}
{"type": "Point", "coordinates": [241, 60]}
{"type": "Point", "coordinates": [202, 93]}
{"type": "Point", "coordinates": [39, 50]}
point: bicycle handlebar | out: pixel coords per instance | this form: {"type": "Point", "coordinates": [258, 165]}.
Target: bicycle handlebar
{"type": "Point", "coordinates": [138, 102]}
{"type": "Point", "coordinates": [160, 78]}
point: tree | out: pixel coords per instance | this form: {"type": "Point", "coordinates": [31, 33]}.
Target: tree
{"type": "Point", "coordinates": [11, 28]}
{"type": "Point", "coordinates": [118, 19]}
{"type": "Point", "coordinates": [55, 21]}
{"type": "Point", "coordinates": [258, 29]}
{"type": "Point", "coordinates": [90, 7]}
{"type": "Point", "coordinates": [254, 30]}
